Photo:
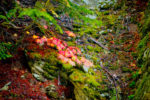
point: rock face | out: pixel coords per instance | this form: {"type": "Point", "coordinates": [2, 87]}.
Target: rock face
{"type": "Point", "coordinates": [92, 4]}
{"type": "Point", "coordinates": [28, 2]}
{"type": "Point", "coordinates": [45, 64]}
{"type": "Point", "coordinates": [51, 92]}
{"type": "Point", "coordinates": [143, 85]}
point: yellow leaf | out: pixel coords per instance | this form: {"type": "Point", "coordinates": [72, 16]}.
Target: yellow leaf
{"type": "Point", "coordinates": [54, 13]}
{"type": "Point", "coordinates": [140, 71]}
{"type": "Point", "coordinates": [132, 64]}
{"type": "Point", "coordinates": [35, 37]}
{"type": "Point", "coordinates": [27, 32]}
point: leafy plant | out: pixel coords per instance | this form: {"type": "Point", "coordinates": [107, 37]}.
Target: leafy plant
{"type": "Point", "coordinates": [4, 50]}
{"type": "Point", "coordinates": [131, 97]}
{"type": "Point", "coordinates": [144, 41]}
{"type": "Point", "coordinates": [135, 75]}
{"type": "Point", "coordinates": [132, 84]}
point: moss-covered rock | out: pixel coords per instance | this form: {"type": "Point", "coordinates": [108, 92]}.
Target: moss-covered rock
{"type": "Point", "coordinates": [37, 69]}
{"type": "Point", "coordinates": [143, 88]}
{"type": "Point", "coordinates": [51, 91]}
{"type": "Point", "coordinates": [79, 94]}
{"type": "Point", "coordinates": [143, 84]}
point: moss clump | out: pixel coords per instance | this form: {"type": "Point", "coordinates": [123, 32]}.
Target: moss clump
{"type": "Point", "coordinates": [144, 41]}
{"type": "Point", "coordinates": [70, 43]}
{"type": "Point", "coordinates": [91, 79]}
{"type": "Point", "coordinates": [85, 78]}
{"type": "Point", "coordinates": [142, 47]}
{"type": "Point", "coordinates": [51, 58]}
{"type": "Point", "coordinates": [91, 93]}
{"type": "Point", "coordinates": [90, 48]}
{"type": "Point", "coordinates": [143, 88]}
{"type": "Point", "coordinates": [35, 55]}
{"type": "Point", "coordinates": [51, 70]}
{"type": "Point", "coordinates": [125, 69]}
{"type": "Point", "coordinates": [67, 66]}
{"type": "Point", "coordinates": [51, 91]}
{"type": "Point", "coordinates": [49, 66]}
{"type": "Point", "coordinates": [79, 94]}
{"type": "Point", "coordinates": [48, 76]}
{"type": "Point", "coordinates": [77, 76]}
{"type": "Point", "coordinates": [132, 84]}
{"type": "Point", "coordinates": [5, 50]}
{"type": "Point", "coordinates": [113, 67]}
{"type": "Point", "coordinates": [97, 49]}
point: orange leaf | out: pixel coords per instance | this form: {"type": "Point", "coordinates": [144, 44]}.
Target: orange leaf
{"type": "Point", "coordinates": [132, 64]}
{"type": "Point", "coordinates": [71, 34]}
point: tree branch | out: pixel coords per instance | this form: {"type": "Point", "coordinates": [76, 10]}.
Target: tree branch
{"type": "Point", "coordinates": [113, 79]}
{"type": "Point", "coordinates": [100, 44]}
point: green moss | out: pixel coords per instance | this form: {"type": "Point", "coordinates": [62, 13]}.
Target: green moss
{"type": "Point", "coordinates": [4, 50]}
{"type": "Point", "coordinates": [64, 76]}
{"type": "Point", "coordinates": [91, 79]}
{"type": "Point", "coordinates": [111, 19]}
{"type": "Point", "coordinates": [49, 66]}
{"type": "Point", "coordinates": [146, 96]}
{"type": "Point", "coordinates": [52, 72]}
{"type": "Point", "coordinates": [143, 87]}
{"type": "Point", "coordinates": [36, 55]}
{"type": "Point", "coordinates": [51, 58]}
{"type": "Point", "coordinates": [95, 59]}
{"type": "Point", "coordinates": [134, 54]}
{"type": "Point", "coordinates": [145, 27]}
{"type": "Point", "coordinates": [144, 42]}
{"type": "Point", "coordinates": [91, 93]}
{"type": "Point", "coordinates": [79, 76]}
{"type": "Point", "coordinates": [135, 75]}
{"type": "Point", "coordinates": [113, 67]}
{"type": "Point", "coordinates": [67, 66]}
{"type": "Point", "coordinates": [70, 43]}
{"type": "Point", "coordinates": [131, 97]}
{"type": "Point", "coordinates": [51, 91]}
{"type": "Point", "coordinates": [106, 12]}
{"type": "Point", "coordinates": [48, 76]}
{"type": "Point", "coordinates": [125, 69]}
{"type": "Point", "coordinates": [97, 49]}
{"type": "Point", "coordinates": [132, 84]}
{"type": "Point", "coordinates": [37, 14]}
{"type": "Point", "coordinates": [79, 94]}
{"type": "Point", "coordinates": [90, 48]}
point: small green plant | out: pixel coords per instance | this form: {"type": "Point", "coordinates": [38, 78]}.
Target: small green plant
{"type": "Point", "coordinates": [144, 41]}
{"type": "Point", "coordinates": [4, 50]}
{"type": "Point", "coordinates": [135, 75]}
{"type": "Point", "coordinates": [132, 84]}
{"type": "Point", "coordinates": [131, 97]}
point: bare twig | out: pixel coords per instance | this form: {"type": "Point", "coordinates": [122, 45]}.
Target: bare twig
{"type": "Point", "coordinates": [113, 79]}
{"type": "Point", "coordinates": [10, 23]}
{"type": "Point", "coordinates": [100, 44]}
{"type": "Point", "coordinates": [14, 26]}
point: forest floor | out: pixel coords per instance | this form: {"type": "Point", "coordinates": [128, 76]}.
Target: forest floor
{"type": "Point", "coordinates": [119, 65]}
{"type": "Point", "coordinates": [16, 80]}
{"type": "Point", "coordinates": [17, 83]}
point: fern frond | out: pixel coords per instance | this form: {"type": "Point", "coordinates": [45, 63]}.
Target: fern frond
{"type": "Point", "coordinates": [3, 17]}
